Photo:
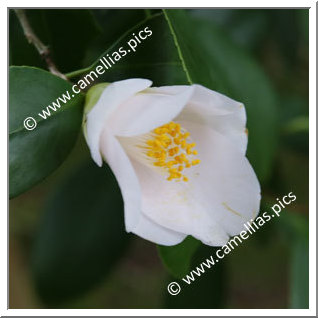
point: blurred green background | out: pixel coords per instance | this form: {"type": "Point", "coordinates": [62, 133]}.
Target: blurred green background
{"type": "Point", "coordinates": [68, 247]}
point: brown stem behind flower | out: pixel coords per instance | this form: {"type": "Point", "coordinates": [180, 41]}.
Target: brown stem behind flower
{"type": "Point", "coordinates": [41, 48]}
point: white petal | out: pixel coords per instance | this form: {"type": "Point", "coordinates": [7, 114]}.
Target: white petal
{"type": "Point", "coordinates": [156, 233]}
{"type": "Point", "coordinates": [219, 112]}
{"type": "Point", "coordinates": [226, 181]}
{"type": "Point", "coordinates": [147, 110]}
{"type": "Point", "coordinates": [111, 98]}
{"type": "Point", "coordinates": [121, 166]}
{"type": "Point", "coordinates": [175, 206]}
{"type": "Point", "coordinates": [214, 204]}
{"type": "Point", "coordinates": [135, 220]}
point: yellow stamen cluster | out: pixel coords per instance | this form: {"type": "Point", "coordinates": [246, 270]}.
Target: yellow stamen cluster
{"type": "Point", "coordinates": [170, 149]}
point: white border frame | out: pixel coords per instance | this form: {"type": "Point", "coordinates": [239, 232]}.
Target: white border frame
{"type": "Point", "coordinates": [312, 164]}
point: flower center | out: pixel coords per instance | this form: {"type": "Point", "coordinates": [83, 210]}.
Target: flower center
{"type": "Point", "coordinates": [169, 147]}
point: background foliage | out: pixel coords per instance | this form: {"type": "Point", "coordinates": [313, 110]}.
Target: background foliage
{"type": "Point", "coordinates": [68, 247]}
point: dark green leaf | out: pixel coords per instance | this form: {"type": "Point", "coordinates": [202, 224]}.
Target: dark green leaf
{"type": "Point", "coordinates": [107, 18]}
{"type": "Point", "coordinates": [81, 235]}
{"type": "Point", "coordinates": [177, 259]}
{"type": "Point", "coordinates": [210, 58]}
{"type": "Point", "coordinates": [155, 57]}
{"type": "Point", "coordinates": [33, 155]}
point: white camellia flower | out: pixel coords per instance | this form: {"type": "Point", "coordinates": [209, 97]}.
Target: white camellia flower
{"type": "Point", "coordinates": [178, 153]}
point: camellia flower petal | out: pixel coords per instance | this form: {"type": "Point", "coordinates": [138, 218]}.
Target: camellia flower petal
{"type": "Point", "coordinates": [178, 153]}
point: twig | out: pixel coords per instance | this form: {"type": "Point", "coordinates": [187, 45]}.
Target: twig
{"type": "Point", "coordinates": [41, 48]}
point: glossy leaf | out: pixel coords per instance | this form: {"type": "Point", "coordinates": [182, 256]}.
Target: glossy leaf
{"type": "Point", "coordinates": [81, 236]}
{"type": "Point", "coordinates": [106, 19]}
{"type": "Point", "coordinates": [33, 155]}
{"type": "Point", "coordinates": [155, 57]}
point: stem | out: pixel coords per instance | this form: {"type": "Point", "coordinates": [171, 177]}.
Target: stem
{"type": "Point", "coordinates": [41, 48]}
{"type": "Point", "coordinates": [78, 72]}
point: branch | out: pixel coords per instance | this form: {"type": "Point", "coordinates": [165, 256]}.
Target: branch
{"type": "Point", "coordinates": [41, 48]}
